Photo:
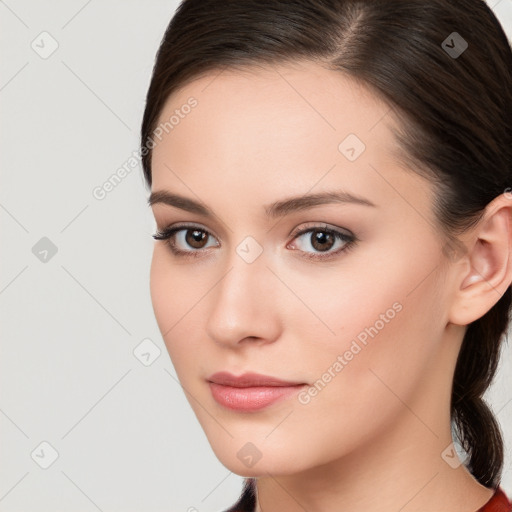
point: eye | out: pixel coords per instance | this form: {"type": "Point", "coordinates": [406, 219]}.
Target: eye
{"type": "Point", "coordinates": [324, 241]}
{"type": "Point", "coordinates": [185, 240]}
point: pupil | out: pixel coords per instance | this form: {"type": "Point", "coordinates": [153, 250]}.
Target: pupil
{"type": "Point", "coordinates": [321, 238]}
{"type": "Point", "coordinates": [195, 238]}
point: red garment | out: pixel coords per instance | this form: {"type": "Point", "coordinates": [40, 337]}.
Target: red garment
{"type": "Point", "coordinates": [498, 503]}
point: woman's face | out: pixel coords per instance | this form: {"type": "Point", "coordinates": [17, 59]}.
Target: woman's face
{"type": "Point", "coordinates": [355, 311]}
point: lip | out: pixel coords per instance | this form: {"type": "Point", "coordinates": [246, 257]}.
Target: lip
{"type": "Point", "coordinates": [250, 391]}
{"type": "Point", "coordinates": [249, 379]}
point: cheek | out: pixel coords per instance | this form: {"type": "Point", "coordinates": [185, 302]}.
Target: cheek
{"type": "Point", "coordinates": [169, 295]}
{"type": "Point", "coordinates": [365, 291]}
{"type": "Point", "coordinates": [174, 289]}
{"type": "Point", "coordinates": [380, 320]}
{"type": "Point", "coordinates": [178, 299]}
{"type": "Point", "coordinates": [386, 342]}
{"type": "Point", "coordinates": [162, 284]}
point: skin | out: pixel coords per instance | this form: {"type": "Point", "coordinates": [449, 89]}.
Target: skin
{"type": "Point", "coordinates": [372, 438]}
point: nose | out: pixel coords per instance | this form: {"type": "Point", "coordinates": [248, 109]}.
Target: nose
{"type": "Point", "coordinates": [244, 306]}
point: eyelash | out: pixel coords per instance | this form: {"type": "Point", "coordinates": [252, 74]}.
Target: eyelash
{"type": "Point", "coordinates": [167, 235]}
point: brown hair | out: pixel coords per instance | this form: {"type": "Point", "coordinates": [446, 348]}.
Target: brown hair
{"type": "Point", "coordinates": [455, 112]}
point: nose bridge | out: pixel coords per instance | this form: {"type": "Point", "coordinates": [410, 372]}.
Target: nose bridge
{"type": "Point", "coordinates": [246, 268]}
{"type": "Point", "coordinates": [241, 301]}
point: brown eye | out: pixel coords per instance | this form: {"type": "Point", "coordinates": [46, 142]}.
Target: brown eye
{"type": "Point", "coordinates": [186, 240]}
{"type": "Point", "coordinates": [322, 240]}
{"type": "Point", "coordinates": [196, 238]}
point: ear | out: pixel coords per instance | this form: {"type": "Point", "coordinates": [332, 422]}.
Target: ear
{"type": "Point", "coordinates": [487, 272]}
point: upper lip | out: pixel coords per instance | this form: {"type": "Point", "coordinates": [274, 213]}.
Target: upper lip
{"type": "Point", "coordinates": [248, 380]}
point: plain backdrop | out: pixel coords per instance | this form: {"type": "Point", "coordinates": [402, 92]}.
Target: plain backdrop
{"type": "Point", "coordinates": [91, 415]}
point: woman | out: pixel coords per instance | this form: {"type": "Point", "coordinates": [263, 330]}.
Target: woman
{"type": "Point", "coordinates": [330, 183]}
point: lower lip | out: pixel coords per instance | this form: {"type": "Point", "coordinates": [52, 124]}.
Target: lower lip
{"type": "Point", "coordinates": [251, 399]}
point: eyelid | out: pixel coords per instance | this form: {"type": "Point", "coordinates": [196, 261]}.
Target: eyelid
{"type": "Point", "coordinates": [308, 226]}
{"type": "Point", "coordinates": [180, 226]}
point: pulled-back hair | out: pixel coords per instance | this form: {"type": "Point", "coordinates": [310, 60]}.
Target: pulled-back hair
{"type": "Point", "coordinates": [455, 110]}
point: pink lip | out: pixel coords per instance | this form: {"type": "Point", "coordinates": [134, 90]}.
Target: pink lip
{"type": "Point", "coordinates": [249, 379]}
{"type": "Point", "coordinates": [250, 391]}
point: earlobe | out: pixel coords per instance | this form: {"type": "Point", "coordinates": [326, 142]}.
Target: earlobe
{"type": "Point", "coordinates": [489, 271]}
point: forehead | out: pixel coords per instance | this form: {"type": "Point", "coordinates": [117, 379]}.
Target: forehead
{"type": "Point", "coordinates": [284, 108]}
{"type": "Point", "coordinates": [281, 128]}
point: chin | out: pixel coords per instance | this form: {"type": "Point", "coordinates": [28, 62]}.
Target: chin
{"type": "Point", "coordinates": [252, 459]}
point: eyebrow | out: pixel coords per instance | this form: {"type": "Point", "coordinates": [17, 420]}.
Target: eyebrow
{"type": "Point", "coordinates": [273, 210]}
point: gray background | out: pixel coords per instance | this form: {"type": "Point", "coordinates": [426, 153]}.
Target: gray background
{"type": "Point", "coordinates": [71, 322]}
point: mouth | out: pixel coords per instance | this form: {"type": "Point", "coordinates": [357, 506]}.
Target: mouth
{"type": "Point", "coordinates": [250, 391]}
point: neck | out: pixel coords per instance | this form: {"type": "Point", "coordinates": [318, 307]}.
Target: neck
{"type": "Point", "coordinates": [406, 482]}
